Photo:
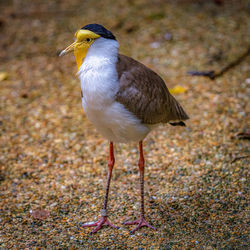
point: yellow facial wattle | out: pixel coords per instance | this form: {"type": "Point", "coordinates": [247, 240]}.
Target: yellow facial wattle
{"type": "Point", "coordinates": [84, 38]}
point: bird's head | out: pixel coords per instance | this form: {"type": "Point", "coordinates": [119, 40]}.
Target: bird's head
{"type": "Point", "coordinates": [83, 40]}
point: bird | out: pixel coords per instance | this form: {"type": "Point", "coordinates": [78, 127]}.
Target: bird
{"type": "Point", "coordinates": [123, 99]}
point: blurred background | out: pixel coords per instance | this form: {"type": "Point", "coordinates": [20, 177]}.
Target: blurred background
{"type": "Point", "coordinates": [53, 162]}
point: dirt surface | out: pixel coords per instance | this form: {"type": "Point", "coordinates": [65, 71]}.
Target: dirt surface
{"type": "Point", "coordinates": [53, 162]}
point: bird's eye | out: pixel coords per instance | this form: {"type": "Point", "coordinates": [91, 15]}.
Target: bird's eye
{"type": "Point", "coordinates": [88, 40]}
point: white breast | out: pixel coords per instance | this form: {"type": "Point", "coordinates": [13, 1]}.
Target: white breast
{"type": "Point", "coordinates": [99, 84]}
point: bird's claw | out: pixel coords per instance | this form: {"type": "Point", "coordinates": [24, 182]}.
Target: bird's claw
{"type": "Point", "coordinates": [98, 225]}
{"type": "Point", "coordinates": [140, 223]}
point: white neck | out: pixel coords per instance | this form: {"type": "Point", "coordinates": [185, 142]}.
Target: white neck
{"type": "Point", "coordinates": [98, 75]}
{"type": "Point", "coordinates": [103, 51]}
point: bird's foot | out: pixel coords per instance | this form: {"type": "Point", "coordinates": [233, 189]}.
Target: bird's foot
{"type": "Point", "coordinates": [99, 224]}
{"type": "Point", "coordinates": [140, 223]}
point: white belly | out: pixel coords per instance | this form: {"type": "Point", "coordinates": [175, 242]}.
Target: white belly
{"type": "Point", "coordinates": [115, 123]}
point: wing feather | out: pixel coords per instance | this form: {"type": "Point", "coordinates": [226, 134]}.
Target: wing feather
{"type": "Point", "coordinates": [145, 94]}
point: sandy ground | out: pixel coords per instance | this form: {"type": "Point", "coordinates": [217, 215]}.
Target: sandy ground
{"type": "Point", "coordinates": [53, 162]}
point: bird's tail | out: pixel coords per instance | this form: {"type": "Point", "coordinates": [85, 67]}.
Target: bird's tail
{"type": "Point", "coordinates": [178, 114]}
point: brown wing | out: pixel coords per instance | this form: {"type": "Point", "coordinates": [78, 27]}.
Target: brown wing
{"type": "Point", "coordinates": [145, 94]}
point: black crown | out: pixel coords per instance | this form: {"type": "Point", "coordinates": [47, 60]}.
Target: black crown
{"type": "Point", "coordinates": [100, 30]}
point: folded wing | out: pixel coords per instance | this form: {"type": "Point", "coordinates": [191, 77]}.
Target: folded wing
{"type": "Point", "coordinates": [145, 94]}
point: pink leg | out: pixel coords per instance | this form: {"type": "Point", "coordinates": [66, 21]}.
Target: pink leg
{"type": "Point", "coordinates": [104, 216]}
{"type": "Point", "coordinates": [140, 222]}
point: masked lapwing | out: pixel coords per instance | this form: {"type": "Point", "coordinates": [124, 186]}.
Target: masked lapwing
{"type": "Point", "coordinates": [123, 99]}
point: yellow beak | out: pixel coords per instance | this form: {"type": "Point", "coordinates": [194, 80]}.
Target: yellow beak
{"type": "Point", "coordinates": [70, 48]}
